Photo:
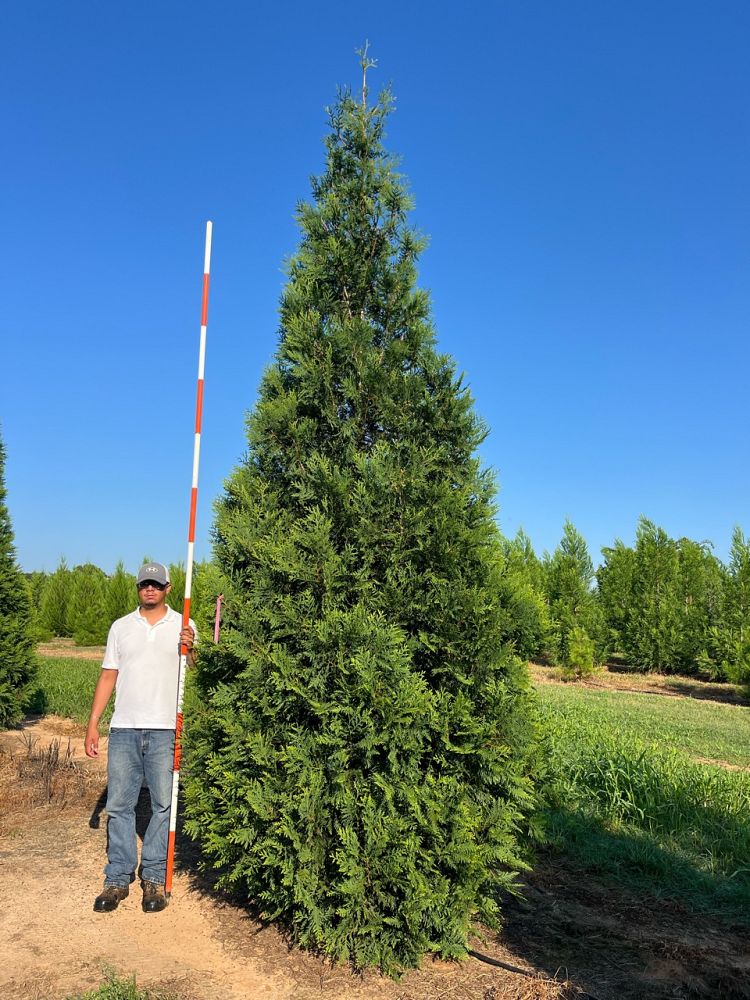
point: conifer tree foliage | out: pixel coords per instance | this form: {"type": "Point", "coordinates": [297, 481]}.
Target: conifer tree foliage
{"type": "Point", "coordinates": [87, 607]}
{"type": "Point", "coordinates": [17, 640]}
{"type": "Point", "coordinates": [122, 596]}
{"type": "Point", "coordinates": [569, 575]}
{"type": "Point", "coordinates": [56, 598]}
{"type": "Point", "coordinates": [362, 763]}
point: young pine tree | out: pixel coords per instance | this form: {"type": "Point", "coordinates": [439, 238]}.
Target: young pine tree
{"type": "Point", "coordinates": [361, 767]}
{"type": "Point", "coordinates": [17, 661]}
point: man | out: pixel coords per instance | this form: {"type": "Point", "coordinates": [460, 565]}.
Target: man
{"type": "Point", "coordinates": [142, 662]}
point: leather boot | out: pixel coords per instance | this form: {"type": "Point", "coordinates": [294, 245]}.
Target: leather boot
{"type": "Point", "coordinates": [154, 897]}
{"type": "Point", "coordinates": [109, 898]}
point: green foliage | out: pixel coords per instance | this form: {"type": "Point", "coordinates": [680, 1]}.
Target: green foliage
{"type": "Point", "coordinates": [55, 601]}
{"type": "Point", "coordinates": [87, 612]}
{"type": "Point", "coordinates": [65, 685]}
{"type": "Point", "coordinates": [581, 651]}
{"type": "Point", "coordinates": [176, 599]}
{"type": "Point", "coordinates": [528, 623]}
{"type": "Point", "coordinates": [360, 765]}
{"type": "Point", "coordinates": [17, 637]}
{"type": "Point", "coordinates": [36, 582]}
{"type": "Point", "coordinates": [117, 988]}
{"type": "Point", "coordinates": [614, 581]}
{"type": "Point", "coordinates": [208, 583]}
{"type": "Point", "coordinates": [568, 579]}
{"type": "Point", "coordinates": [663, 602]}
{"type": "Point", "coordinates": [122, 596]}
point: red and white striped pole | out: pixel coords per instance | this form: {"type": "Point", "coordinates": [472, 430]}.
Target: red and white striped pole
{"type": "Point", "coordinates": [189, 565]}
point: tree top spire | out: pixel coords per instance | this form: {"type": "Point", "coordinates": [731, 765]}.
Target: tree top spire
{"type": "Point", "coordinates": [366, 63]}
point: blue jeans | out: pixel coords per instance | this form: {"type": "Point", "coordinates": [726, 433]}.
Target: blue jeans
{"type": "Point", "coordinates": [135, 757]}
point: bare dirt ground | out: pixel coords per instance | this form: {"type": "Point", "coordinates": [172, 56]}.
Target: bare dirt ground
{"type": "Point", "coordinates": [572, 938]}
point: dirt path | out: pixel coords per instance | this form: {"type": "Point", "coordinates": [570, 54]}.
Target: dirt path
{"type": "Point", "coordinates": [204, 948]}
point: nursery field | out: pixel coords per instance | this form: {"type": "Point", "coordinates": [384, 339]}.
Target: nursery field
{"type": "Point", "coordinates": [641, 887]}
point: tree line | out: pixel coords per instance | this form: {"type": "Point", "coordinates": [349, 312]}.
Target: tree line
{"type": "Point", "coordinates": [663, 604]}
{"type": "Point", "coordinates": [82, 602]}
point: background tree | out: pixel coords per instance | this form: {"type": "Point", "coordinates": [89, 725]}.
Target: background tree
{"type": "Point", "coordinates": [528, 627]}
{"type": "Point", "coordinates": [17, 640]}
{"type": "Point", "coordinates": [699, 592]}
{"type": "Point", "coordinates": [37, 581]}
{"type": "Point", "coordinates": [87, 610]}
{"type": "Point", "coordinates": [614, 590]}
{"type": "Point", "coordinates": [732, 639]}
{"type": "Point", "coordinates": [652, 639]}
{"type": "Point", "coordinates": [121, 596]}
{"type": "Point", "coordinates": [360, 763]}
{"type": "Point", "coordinates": [569, 576]}
{"type": "Point", "coordinates": [56, 597]}
{"type": "Point", "coordinates": [176, 599]}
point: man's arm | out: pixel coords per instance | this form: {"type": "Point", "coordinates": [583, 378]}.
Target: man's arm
{"type": "Point", "coordinates": [102, 693]}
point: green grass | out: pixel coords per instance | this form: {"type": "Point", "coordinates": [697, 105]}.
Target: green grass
{"type": "Point", "coordinates": [699, 728]}
{"type": "Point", "coordinates": [627, 802]}
{"type": "Point", "coordinates": [116, 988]}
{"type": "Point", "coordinates": [66, 687]}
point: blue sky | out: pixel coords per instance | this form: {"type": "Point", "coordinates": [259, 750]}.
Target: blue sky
{"type": "Point", "coordinates": [581, 170]}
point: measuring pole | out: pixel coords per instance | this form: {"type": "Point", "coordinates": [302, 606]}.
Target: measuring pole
{"type": "Point", "coordinates": [189, 566]}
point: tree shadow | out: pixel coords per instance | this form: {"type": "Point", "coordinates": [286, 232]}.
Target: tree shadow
{"type": "Point", "coordinates": [623, 917]}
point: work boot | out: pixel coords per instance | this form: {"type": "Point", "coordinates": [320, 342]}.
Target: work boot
{"type": "Point", "coordinates": [109, 898]}
{"type": "Point", "coordinates": [154, 897]}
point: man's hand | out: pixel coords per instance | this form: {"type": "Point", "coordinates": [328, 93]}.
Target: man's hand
{"type": "Point", "coordinates": [91, 744]}
{"type": "Point", "coordinates": [187, 637]}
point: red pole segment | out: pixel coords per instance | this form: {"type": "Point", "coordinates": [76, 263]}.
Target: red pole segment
{"type": "Point", "coordinates": [189, 564]}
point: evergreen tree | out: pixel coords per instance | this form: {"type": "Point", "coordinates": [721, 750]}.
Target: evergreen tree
{"type": "Point", "coordinates": [529, 626]}
{"type": "Point", "coordinates": [699, 593]}
{"type": "Point", "coordinates": [732, 640]}
{"type": "Point", "coordinates": [87, 608]}
{"type": "Point", "coordinates": [652, 639]}
{"type": "Point", "coordinates": [17, 661]}
{"type": "Point", "coordinates": [176, 599]}
{"type": "Point", "coordinates": [37, 581]}
{"type": "Point", "coordinates": [614, 588]}
{"type": "Point", "coordinates": [121, 596]}
{"type": "Point", "coordinates": [56, 597]}
{"type": "Point", "coordinates": [569, 576]}
{"type": "Point", "coordinates": [361, 763]}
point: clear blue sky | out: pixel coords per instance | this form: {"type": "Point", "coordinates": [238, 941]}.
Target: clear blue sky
{"type": "Point", "coordinates": [582, 170]}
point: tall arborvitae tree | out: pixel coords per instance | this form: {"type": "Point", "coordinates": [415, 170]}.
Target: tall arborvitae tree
{"type": "Point", "coordinates": [361, 765]}
{"type": "Point", "coordinates": [17, 662]}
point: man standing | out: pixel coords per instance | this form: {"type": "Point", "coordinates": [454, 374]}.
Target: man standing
{"type": "Point", "coordinates": [142, 663]}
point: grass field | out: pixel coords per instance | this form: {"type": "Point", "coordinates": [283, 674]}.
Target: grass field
{"type": "Point", "coordinates": [66, 687]}
{"type": "Point", "coordinates": [627, 799]}
{"type": "Point", "coordinates": [701, 729]}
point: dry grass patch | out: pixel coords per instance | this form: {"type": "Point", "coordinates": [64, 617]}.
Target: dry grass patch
{"type": "Point", "coordinates": [35, 777]}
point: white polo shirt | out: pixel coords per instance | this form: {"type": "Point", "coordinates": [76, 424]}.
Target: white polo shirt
{"type": "Point", "coordinates": [146, 658]}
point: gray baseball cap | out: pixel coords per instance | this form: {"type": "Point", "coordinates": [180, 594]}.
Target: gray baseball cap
{"type": "Point", "coordinates": [153, 571]}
